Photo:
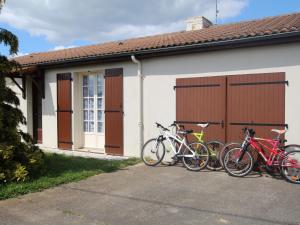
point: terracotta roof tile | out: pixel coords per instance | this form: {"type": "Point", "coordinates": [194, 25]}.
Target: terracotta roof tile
{"type": "Point", "coordinates": [266, 26]}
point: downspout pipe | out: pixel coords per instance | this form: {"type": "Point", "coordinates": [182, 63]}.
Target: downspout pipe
{"type": "Point", "coordinates": [140, 102]}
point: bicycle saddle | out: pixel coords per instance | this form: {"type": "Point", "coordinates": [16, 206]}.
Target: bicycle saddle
{"type": "Point", "coordinates": [279, 131]}
{"type": "Point", "coordinates": [185, 132]}
{"type": "Point", "coordinates": [203, 125]}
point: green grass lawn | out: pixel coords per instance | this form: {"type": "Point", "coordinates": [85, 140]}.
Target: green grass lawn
{"type": "Point", "coordinates": [62, 169]}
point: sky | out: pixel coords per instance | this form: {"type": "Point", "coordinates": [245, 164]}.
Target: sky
{"type": "Point", "coordinates": [45, 25]}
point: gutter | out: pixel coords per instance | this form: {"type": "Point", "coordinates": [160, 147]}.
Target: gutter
{"type": "Point", "coordinates": [140, 102]}
{"type": "Point", "coordinates": [206, 46]}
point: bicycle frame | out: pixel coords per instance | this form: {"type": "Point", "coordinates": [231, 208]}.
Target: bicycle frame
{"type": "Point", "coordinates": [276, 155]}
{"type": "Point", "coordinates": [167, 135]}
{"type": "Point", "coordinates": [200, 138]}
{"type": "Point", "coordinates": [261, 144]}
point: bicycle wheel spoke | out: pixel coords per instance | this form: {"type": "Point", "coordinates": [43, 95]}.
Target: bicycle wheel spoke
{"type": "Point", "coordinates": [235, 168]}
{"type": "Point", "coordinates": [196, 157]}
{"type": "Point", "coordinates": [291, 167]}
{"type": "Point", "coordinates": [214, 148]}
{"type": "Point", "coordinates": [153, 152]}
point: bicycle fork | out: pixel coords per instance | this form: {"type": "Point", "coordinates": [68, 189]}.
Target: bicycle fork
{"type": "Point", "coordinates": [245, 146]}
{"type": "Point", "coordinates": [158, 140]}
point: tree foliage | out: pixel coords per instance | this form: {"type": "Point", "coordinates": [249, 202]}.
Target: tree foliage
{"type": "Point", "coordinates": [19, 157]}
{"type": "Point", "coordinates": [9, 39]}
{"type": "Point", "coordinates": [1, 3]}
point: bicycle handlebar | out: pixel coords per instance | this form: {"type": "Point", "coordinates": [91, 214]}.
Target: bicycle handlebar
{"type": "Point", "coordinates": [249, 132]}
{"type": "Point", "coordinates": [173, 125]}
{"type": "Point", "coordinates": [178, 126]}
{"type": "Point", "coordinates": [162, 127]}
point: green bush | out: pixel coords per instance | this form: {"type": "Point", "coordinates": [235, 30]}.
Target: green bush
{"type": "Point", "coordinates": [20, 159]}
{"type": "Point", "coordinates": [20, 162]}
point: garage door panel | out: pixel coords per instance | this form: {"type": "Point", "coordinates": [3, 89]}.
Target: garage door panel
{"type": "Point", "coordinates": [261, 105]}
{"type": "Point", "coordinates": [256, 101]}
{"type": "Point", "coordinates": [252, 100]}
{"type": "Point", "coordinates": [202, 100]}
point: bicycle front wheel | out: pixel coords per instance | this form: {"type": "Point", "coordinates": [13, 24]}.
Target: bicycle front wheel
{"type": "Point", "coordinates": [235, 168]}
{"type": "Point", "coordinates": [290, 167]}
{"type": "Point", "coordinates": [153, 152]}
{"type": "Point", "coordinates": [225, 149]}
{"type": "Point", "coordinates": [196, 156]}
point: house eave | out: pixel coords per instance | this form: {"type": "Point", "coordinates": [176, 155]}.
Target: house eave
{"type": "Point", "coordinates": [256, 41]}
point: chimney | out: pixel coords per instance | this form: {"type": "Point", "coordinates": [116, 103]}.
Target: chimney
{"type": "Point", "coordinates": [197, 23]}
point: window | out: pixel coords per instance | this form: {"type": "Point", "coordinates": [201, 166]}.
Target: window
{"type": "Point", "coordinates": [100, 101]}
{"type": "Point", "coordinates": [88, 103]}
{"type": "Point", "coordinates": [93, 114]}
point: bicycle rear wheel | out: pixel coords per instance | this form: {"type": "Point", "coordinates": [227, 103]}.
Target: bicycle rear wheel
{"type": "Point", "coordinates": [214, 148]}
{"type": "Point", "coordinates": [235, 168]}
{"type": "Point", "coordinates": [290, 167]}
{"type": "Point", "coordinates": [170, 158]}
{"type": "Point", "coordinates": [153, 152]}
{"type": "Point", "coordinates": [197, 157]}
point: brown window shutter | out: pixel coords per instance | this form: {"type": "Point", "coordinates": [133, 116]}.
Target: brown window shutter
{"type": "Point", "coordinates": [64, 110]}
{"type": "Point", "coordinates": [114, 111]}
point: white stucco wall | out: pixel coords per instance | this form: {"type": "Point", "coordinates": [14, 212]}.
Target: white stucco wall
{"type": "Point", "coordinates": [159, 96]}
{"type": "Point", "coordinates": [50, 104]}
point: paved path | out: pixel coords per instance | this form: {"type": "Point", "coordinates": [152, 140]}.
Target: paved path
{"type": "Point", "coordinates": [162, 195]}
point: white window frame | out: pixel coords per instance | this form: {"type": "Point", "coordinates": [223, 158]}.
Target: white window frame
{"type": "Point", "coordinates": [95, 108]}
{"type": "Point", "coordinates": [103, 104]}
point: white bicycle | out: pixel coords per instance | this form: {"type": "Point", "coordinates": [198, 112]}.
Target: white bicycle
{"type": "Point", "coordinates": [195, 156]}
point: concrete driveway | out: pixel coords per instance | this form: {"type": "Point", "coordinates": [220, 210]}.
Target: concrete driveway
{"type": "Point", "coordinates": [161, 195]}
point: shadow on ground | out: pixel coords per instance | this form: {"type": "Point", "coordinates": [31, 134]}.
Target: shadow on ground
{"type": "Point", "coordinates": [57, 165]}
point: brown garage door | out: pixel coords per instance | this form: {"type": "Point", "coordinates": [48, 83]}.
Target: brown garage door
{"type": "Point", "coordinates": [114, 111]}
{"type": "Point", "coordinates": [64, 111]}
{"type": "Point", "coordinates": [231, 103]}
{"type": "Point", "coordinates": [256, 101]}
{"type": "Point", "coordinates": [201, 100]}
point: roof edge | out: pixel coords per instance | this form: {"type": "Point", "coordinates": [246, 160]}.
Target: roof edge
{"type": "Point", "coordinates": [191, 48]}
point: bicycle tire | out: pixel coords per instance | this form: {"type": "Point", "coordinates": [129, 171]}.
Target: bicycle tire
{"type": "Point", "coordinates": [291, 147]}
{"type": "Point", "coordinates": [201, 153]}
{"type": "Point", "coordinates": [214, 148]}
{"type": "Point", "coordinates": [277, 170]}
{"type": "Point", "coordinates": [226, 148]}
{"type": "Point", "coordinates": [243, 172]}
{"type": "Point", "coordinates": [159, 157]}
{"type": "Point", "coordinates": [171, 159]}
{"type": "Point", "coordinates": [291, 175]}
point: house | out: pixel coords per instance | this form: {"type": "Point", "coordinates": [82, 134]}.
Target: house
{"type": "Point", "coordinates": [106, 98]}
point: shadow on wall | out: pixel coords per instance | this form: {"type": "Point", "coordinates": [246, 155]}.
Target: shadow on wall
{"type": "Point", "coordinates": [225, 61]}
{"type": "Point", "coordinates": [48, 103]}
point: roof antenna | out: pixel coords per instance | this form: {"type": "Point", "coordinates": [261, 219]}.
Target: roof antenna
{"type": "Point", "coordinates": [217, 12]}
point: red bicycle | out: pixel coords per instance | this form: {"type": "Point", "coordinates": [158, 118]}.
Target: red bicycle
{"type": "Point", "coordinates": [239, 161]}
